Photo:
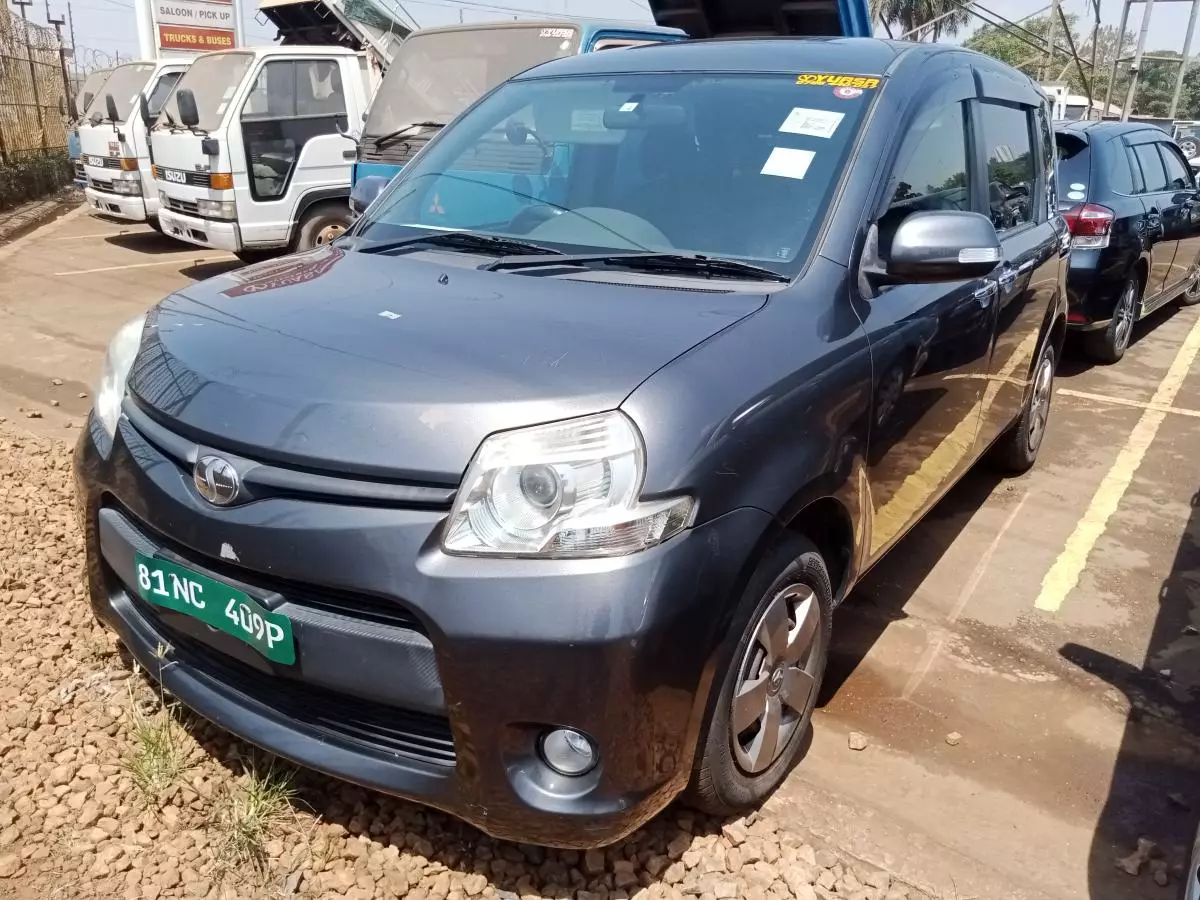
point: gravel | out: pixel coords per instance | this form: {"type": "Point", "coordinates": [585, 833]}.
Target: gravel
{"type": "Point", "coordinates": [75, 823]}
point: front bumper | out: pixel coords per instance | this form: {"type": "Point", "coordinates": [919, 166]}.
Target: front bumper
{"type": "Point", "coordinates": [202, 232]}
{"type": "Point", "coordinates": [419, 674]}
{"type": "Point", "coordinates": [122, 206]}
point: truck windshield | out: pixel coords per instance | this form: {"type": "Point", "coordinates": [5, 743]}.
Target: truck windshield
{"type": "Point", "coordinates": [91, 87]}
{"type": "Point", "coordinates": [733, 166]}
{"type": "Point", "coordinates": [437, 75]}
{"type": "Point", "coordinates": [125, 83]}
{"type": "Point", "coordinates": [213, 79]}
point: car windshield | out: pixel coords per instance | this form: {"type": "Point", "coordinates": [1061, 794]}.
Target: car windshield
{"type": "Point", "coordinates": [734, 166]}
{"type": "Point", "coordinates": [213, 79]}
{"type": "Point", "coordinates": [437, 75]}
{"type": "Point", "coordinates": [125, 83]}
{"type": "Point", "coordinates": [91, 87]}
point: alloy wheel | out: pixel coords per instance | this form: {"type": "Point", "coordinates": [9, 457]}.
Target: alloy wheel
{"type": "Point", "coordinates": [1125, 314]}
{"type": "Point", "coordinates": [1193, 290]}
{"type": "Point", "coordinates": [1039, 401]}
{"type": "Point", "coordinates": [330, 233]}
{"type": "Point", "coordinates": [776, 678]}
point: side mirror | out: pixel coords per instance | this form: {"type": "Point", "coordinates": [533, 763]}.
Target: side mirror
{"type": "Point", "coordinates": [189, 115]}
{"type": "Point", "coordinates": [943, 246]}
{"type": "Point", "coordinates": [144, 109]}
{"type": "Point", "coordinates": [365, 191]}
{"type": "Point", "coordinates": [110, 107]}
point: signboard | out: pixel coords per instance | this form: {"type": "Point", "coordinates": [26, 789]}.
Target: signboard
{"type": "Point", "coordinates": [195, 26]}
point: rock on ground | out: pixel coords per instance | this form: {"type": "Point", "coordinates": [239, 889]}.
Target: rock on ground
{"type": "Point", "coordinates": [74, 823]}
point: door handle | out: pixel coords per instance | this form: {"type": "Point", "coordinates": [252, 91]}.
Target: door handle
{"type": "Point", "coordinates": [1007, 278]}
{"type": "Point", "coordinates": [984, 295]}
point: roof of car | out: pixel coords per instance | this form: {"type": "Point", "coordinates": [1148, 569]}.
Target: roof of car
{"type": "Point", "coordinates": [848, 56]}
{"type": "Point", "coordinates": [1105, 128]}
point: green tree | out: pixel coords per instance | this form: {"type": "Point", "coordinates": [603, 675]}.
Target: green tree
{"type": "Point", "coordinates": [904, 16]}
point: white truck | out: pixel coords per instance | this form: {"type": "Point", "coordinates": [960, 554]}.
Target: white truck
{"type": "Point", "coordinates": [114, 147]}
{"type": "Point", "coordinates": [250, 153]}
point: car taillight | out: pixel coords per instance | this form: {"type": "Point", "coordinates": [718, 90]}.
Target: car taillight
{"type": "Point", "coordinates": [1090, 225]}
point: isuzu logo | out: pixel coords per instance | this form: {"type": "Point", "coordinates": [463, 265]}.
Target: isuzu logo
{"type": "Point", "coordinates": [217, 480]}
{"type": "Point", "coordinates": [174, 175]}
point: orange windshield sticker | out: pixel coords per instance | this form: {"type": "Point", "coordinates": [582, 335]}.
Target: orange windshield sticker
{"type": "Point", "coordinates": [827, 79]}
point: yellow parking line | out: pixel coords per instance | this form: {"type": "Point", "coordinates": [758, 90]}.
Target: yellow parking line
{"type": "Point", "coordinates": [162, 262]}
{"type": "Point", "coordinates": [1121, 401]}
{"type": "Point", "coordinates": [1064, 574]}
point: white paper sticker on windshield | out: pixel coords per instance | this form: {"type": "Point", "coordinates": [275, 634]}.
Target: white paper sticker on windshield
{"type": "Point", "coordinates": [788, 163]}
{"type": "Point", "coordinates": [812, 122]}
{"type": "Point", "coordinates": [587, 120]}
{"type": "Point", "coordinates": [629, 107]}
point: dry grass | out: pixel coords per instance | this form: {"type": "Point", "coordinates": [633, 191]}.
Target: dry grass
{"type": "Point", "coordinates": [160, 750]}
{"type": "Point", "coordinates": [259, 802]}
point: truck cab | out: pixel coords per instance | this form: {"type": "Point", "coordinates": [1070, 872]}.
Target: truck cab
{"type": "Point", "coordinates": [439, 72]}
{"type": "Point", "coordinates": [91, 86]}
{"type": "Point", "coordinates": [113, 142]}
{"type": "Point", "coordinates": [250, 151]}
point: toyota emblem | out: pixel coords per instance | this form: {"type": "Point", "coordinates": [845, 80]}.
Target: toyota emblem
{"type": "Point", "coordinates": [217, 480]}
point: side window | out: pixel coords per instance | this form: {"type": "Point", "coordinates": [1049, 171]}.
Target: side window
{"type": "Point", "coordinates": [1178, 176]}
{"type": "Point", "coordinates": [1011, 171]}
{"type": "Point", "coordinates": [162, 90]}
{"type": "Point", "coordinates": [1120, 179]}
{"type": "Point", "coordinates": [292, 102]}
{"type": "Point", "coordinates": [1154, 174]}
{"type": "Point", "coordinates": [931, 173]}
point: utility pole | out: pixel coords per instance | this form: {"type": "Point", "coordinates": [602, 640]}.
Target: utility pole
{"type": "Point", "coordinates": [1183, 63]}
{"type": "Point", "coordinates": [62, 60]}
{"type": "Point", "coordinates": [1048, 62]}
{"type": "Point", "coordinates": [1112, 78]}
{"type": "Point", "coordinates": [1135, 67]}
{"type": "Point", "coordinates": [71, 29]}
{"type": "Point", "coordinates": [37, 102]}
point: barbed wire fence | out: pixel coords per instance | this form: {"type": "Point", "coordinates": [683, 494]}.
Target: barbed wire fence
{"type": "Point", "coordinates": [34, 111]}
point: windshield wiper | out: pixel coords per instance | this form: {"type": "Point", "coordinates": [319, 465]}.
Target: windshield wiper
{"type": "Point", "coordinates": [391, 136]}
{"type": "Point", "coordinates": [464, 240]}
{"type": "Point", "coordinates": [709, 266]}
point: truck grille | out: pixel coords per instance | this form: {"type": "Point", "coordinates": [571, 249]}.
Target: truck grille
{"type": "Point", "coordinates": [184, 206]}
{"type": "Point", "coordinates": [183, 176]}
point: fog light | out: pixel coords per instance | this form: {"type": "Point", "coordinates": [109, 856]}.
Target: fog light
{"type": "Point", "coordinates": [568, 752]}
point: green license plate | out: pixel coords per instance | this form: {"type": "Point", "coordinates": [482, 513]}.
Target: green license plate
{"type": "Point", "coordinates": [223, 607]}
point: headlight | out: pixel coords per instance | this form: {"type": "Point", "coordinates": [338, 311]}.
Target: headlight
{"type": "Point", "coordinates": [561, 490]}
{"type": "Point", "coordinates": [127, 186]}
{"type": "Point", "coordinates": [217, 209]}
{"type": "Point", "coordinates": [117, 363]}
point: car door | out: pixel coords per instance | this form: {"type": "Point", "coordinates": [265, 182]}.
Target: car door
{"type": "Point", "coordinates": [929, 342]}
{"type": "Point", "coordinates": [1018, 153]}
{"type": "Point", "coordinates": [1156, 199]}
{"type": "Point", "coordinates": [1181, 215]}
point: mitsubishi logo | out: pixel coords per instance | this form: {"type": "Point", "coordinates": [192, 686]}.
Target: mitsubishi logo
{"type": "Point", "coordinates": [216, 480]}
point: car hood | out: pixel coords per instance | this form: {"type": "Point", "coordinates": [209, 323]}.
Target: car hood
{"type": "Point", "coordinates": [399, 367]}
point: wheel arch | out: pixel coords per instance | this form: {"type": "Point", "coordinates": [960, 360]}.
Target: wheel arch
{"type": "Point", "coordinates": [317, 197]}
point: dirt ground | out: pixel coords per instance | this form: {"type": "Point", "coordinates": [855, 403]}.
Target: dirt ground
{"type": "Point", "coordinates": [1023, 672]}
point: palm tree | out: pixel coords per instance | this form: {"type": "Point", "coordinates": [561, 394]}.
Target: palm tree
{"type": "Point", "coordinates": [908, 15]}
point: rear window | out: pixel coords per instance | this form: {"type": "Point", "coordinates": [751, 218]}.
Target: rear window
{"type": "Point", "coordinates": [1074, 169]}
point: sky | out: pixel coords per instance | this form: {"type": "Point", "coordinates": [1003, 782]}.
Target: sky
{"type": "Point", "coordinates": [108, 26]}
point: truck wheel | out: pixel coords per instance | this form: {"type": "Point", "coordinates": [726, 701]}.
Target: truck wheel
{"type": "Point", "coordinates": [762, 711]}
{"type": "Point", "coordinates": [322, 224]}
{"type": "Point", "coordinates": [1017, 450]}
{"type": "Point", "coordinates": [1109, 344]}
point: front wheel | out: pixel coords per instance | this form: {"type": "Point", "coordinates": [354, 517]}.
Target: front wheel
{"type": "Point", "coordinates": [321, 225]}
{"type": "Point", "coordinates": [758, 722]}
{"type": "Point", "coordinates": [1017, 450]}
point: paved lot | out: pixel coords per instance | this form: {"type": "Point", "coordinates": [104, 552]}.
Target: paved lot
{"type": "Point", "coordinates": [1044, 619]}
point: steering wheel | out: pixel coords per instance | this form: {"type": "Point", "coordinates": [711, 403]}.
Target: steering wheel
{"type": "Point", "coordinates": [532, 216]}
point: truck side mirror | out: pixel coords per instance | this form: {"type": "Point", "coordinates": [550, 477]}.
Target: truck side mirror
{"type": "Point", "coordinates": [189, 115]}
{"type": "Point", "coordinates": [110, 107]}
{"type": "Point", "coordinates": [144, 109]}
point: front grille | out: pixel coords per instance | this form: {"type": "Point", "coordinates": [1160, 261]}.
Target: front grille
{"type": "Point", "coordinates": [374, 726]}
{"type": "Point", "coordinates": [183, 176]}
{"type": "Point", "coordinates": [350, 604]}
{"type": "Point", "coordinates": [101, 185]}
{"type": "Point", "coordinates": [109, 162]}
{"type": "Point", "coordinates": [183, 206]}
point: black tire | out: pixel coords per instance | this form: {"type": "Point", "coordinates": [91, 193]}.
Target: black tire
{"type": "Point", "coordinates": [1108, 345]}
{"type": "Point", "coordinates": [721, 785]}
{"type": "Point", "coordinates": [321, 224]}
{"type": "Point", "coordinates": [1191, 296]}
{"type": "Point", "coordinates": [1017, 449]}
